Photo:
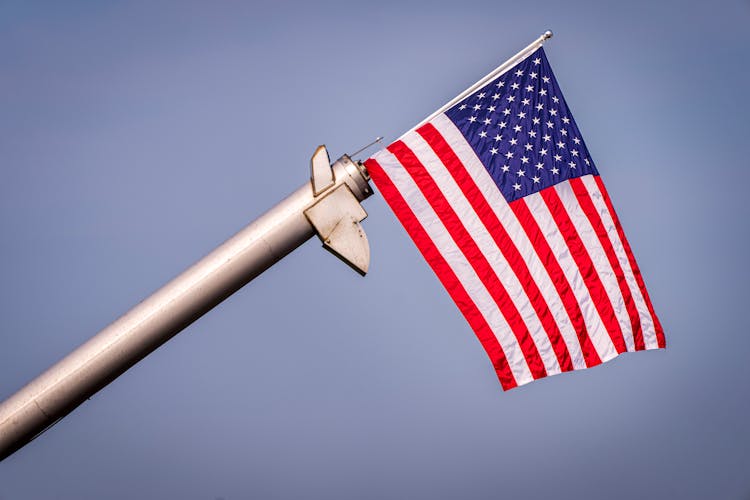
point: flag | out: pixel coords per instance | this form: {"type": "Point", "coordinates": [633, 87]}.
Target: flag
{"type": "Point", "coordinates": [503, 200]}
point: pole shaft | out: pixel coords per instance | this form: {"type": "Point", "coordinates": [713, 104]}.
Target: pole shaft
{"type": "Point", "coordinates": [489, 76]}
{"type": "Point", "coordinates": [104, 357]}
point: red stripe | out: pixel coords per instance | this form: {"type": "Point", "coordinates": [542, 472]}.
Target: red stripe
{"type": "Point", "coordinates": [473, 254]}
{"type": "Point", "coordinates": [592, 214]}
{"type": "Point", "coordinates": [585, 266]}
{"type": "Point", "coordinates": [556, 274]}
{"type": "Point", "coordinates": [444, 273]}
{"type": "Point", "coordinates": [660, 340]}
{"type": "Point", "coordinates": [495, 228]}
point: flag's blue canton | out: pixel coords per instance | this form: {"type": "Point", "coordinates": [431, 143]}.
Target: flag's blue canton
{"type": "Point", "coordinates": [522, 130]}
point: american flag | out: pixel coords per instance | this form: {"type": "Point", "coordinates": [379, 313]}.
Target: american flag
{"type": "Point", "coordinates": [502, 198]}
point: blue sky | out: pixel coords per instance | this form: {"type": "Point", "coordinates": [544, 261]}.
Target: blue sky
{"type": "Point", "coordinates": [134, 137]}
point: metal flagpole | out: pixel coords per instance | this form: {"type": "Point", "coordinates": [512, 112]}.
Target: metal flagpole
{"type": "Point", "coordinates": [328, 205]}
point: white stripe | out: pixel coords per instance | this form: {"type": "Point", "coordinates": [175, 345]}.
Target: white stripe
{"type": "Point", "coordinates": [459, 265]}
{"type": "Point", "coordinates": [597, 331]}
{"type": "Point", "coordinates": [647, 322]}
{"type": "Point", "coordinates": [518, 236]}
{"type": "Point", "coordinates": [599, 258]}
{"type": "Point", "coordinates": [486, 244]}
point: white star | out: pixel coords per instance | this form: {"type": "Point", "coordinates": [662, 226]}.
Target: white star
{"type": "Point", "coordinates": [517, 186]}
{"type": "Point", "coordinates": [576, 140]}
{"type": "Point", "coordinates": [539, 106]}
{"type": "Point", "coordinates": [543, 151]}
{"type": "Point", "coordinates": [495, 96]}
{"type": "Point", "coordinates": [498, 137]}
{"type": "Point", "coordinates": [537, 61]}
{"type": "Point", "coordinates": [482, 134]}
{"type": "Point", "coordinates": [521, 173]}
{"type": "Point", "coordinates": [546, 138]}
{"type": "Point", "coordinates": [553, 112]}
{"type": "Point", "coordinates": [574, 152]}
{"type": "Point", "coordinates": [513, 141]}
{"type": "Point", "coordinates": [525, 160]}
{"type": "Point", "coordinates": [539, 166]}
{"type": "Point", "coordinates": [491, 109]}
{"type": "Point", "coordinates": [564, 132]}
{"type": "Point", "coordinates": [543, 92]}
{"type": "Point", "coordinates": [500, 84]}
{"type": "Point", "coordinates": [532, 75]}
{"type": "Point", "coordinates": [554, 170]}
{"type": "Point", "coordinates": [557, 157]}
{"type": "Point", "coordinates": [550, 125]}
{"type": "Point", "coordinates": [487, 121]}
{"type": "Point", "coordinates": [560, 144]}
{"type": "Point", "coordinates": [566, 120]}
{"type": "Point", "coordinates": [554, 98]}
{"type": "Point", "coordinates": [535, 120]}
{"type": "Point", "coordinates": [521, 115]}
{"type": "Point", "coordinates": [529, 88]}
{"type": "Point", "coordinates": [519, 72]}
{"type": "Point", "coordinates": [515, 86]}
{"type": "Point", "coordinates": [472, 119]}
{"type": "Point", "coordinates": [493, 151]}
{"type": "Point", "coordinates": [462, 107]}
{"type": "Point", "coordinates": [525, 102]}
{"type": "Point", "coordinates": [506, 111]}
{"type": "Point", "coordinates": [546, 79]}
{"type": "Point", "coordinates": [502, 124]}
{"type": "Point", "coordinates": [511, 98]}
{"type": "Point", "coordinates": [536, 179]}
{"type": "Point", "coordinates": [517, 128]}
{"type": "Point", "coordinates": [572, 164]}
{"type": "Point", "coordinates": [532, 133]}
{"type": "Point", "coordinates": [481, 96]}
{"type": "Point", "coordinates": [477, 107]}
{"type": "Point", "coordinates": [506, 168]}
{"type": "Point", "coordinates": [509, 155]}
{"type": "Point", "coordinates": [528, 146]}
{"type": "Point", "coordinates": [587, 161]}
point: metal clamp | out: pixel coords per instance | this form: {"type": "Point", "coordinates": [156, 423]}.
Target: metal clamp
{"type": "Point", "coordinates": [337, 213]}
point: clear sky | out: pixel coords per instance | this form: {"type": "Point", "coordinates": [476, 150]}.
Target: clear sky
{"type": "Point", "coordinates": [136, 136]}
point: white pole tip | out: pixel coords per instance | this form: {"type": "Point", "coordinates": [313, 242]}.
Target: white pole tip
{"type": "Point", "coordinates": [547, 34]}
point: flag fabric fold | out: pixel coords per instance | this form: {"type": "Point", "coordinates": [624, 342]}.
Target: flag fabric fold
{"type": "Point", "coordinates": [503, 200]}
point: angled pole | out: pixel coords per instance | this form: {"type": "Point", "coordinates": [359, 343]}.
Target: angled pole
{"type": "Point", "coordinates": [488, 77]}
{"type": "Point", "coordinates": [328, 205]}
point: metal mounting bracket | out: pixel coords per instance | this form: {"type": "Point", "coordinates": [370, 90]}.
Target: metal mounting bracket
{"type": "Point", "coordinates": [336, 216]}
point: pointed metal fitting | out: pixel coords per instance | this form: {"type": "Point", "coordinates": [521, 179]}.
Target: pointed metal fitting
{"type": "Point", "coordinates": [337, 213]}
